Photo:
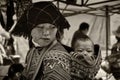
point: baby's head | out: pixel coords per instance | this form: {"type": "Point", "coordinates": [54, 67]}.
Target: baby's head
{"type": "Point", "coordinates": [82, 44]}
{"type": "Point", "coordinates": [84, 56]}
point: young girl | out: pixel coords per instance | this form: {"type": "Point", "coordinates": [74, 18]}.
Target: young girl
{"type": "Point", "coordinates": [85, 58]}
{"type": "Point", "coordinates": [47, 59]}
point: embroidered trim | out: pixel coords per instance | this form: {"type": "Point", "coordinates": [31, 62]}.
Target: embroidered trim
{"type": "Point", "coordinates": [54, 58]}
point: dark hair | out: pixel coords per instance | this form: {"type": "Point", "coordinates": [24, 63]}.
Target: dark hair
{"type": "Point", "coordinates": [84, 26]}
{"type": "Point", "coordinates": [14, 68]}
{"type": "Point", "coordinates": [118, 38]}
{"type": "Point", "coordinates": [79, 36]}
{"type": "Point", "coordinates": [59, 34]}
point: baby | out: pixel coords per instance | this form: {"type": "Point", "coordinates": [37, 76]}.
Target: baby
{"type": "Point", "coordinates": [85, 63]}
{"type": "Point", "coordinates": [83, 48]}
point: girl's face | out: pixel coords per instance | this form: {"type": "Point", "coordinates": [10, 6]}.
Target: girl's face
{"type": "Point", "coordinates": [44, 34]}
{"type": "Point", "coordinates": [84, 47]}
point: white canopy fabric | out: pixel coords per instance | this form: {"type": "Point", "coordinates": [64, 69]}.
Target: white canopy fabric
{"type": "Point", "coordinates": [94, 7]}
{"type": "Point", "coordinates": [104, 10]}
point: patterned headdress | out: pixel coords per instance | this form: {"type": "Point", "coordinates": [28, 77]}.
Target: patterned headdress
{"type": "Point", "coordinates": [38, 13]}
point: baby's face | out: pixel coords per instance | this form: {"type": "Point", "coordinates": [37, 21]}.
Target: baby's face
{"type": "Point", "coordinates": [84, 47]}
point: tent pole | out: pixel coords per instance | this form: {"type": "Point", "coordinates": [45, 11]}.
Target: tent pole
{"type": "Point", "coordinates": [58, 4]}
{"type": "Point", "coordinates": [82, 2]}
{"type": "Point", "coordinates": [107, 29]}
{"type": "Point", "coordinates": [107, 33]}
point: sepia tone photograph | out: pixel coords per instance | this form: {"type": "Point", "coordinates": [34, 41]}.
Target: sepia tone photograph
{"type": "Point", "coordinates": [59, 39]}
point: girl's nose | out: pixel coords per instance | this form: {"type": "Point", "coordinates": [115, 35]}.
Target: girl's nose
{"type": "Point", "coordinates": [46, 32]}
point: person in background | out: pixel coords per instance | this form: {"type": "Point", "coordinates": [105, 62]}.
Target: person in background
{"type": "Point", "coordinates": [86, 59]}
{"type": "Point", "coordinates": [14, 72]}
{"type": "Point", "coordinates": [2, 51]}
{"type": "Point", "coordinates": [116, 46]}
{"type": "Point", "coordinates": [114, 59]}
{"type": "Point", "coordinates": [84, 27]}
{"type": "Point", "coordinates": [6, 14]}
{"type": "Point", "coordinates": [47, 59]}
{"type": "Point", "coordinates": [6, 20]}
{"type": "Point", "coordinates": [3, 13]}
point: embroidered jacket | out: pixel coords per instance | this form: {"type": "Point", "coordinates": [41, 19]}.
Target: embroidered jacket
{"type": "Point", "coordinates": [48, 64]}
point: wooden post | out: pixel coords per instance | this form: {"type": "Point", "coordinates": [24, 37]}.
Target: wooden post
{"type": "Point", "coordinates": [107, 29]}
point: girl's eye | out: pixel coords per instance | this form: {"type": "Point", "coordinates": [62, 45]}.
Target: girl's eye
{"type": "Point", "coordinates": [53, 27]}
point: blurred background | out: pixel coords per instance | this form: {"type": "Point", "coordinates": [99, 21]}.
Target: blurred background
{"type": "Point", "coordinates": [103, 16]}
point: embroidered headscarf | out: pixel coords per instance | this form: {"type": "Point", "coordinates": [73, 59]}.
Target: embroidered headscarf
{"type": "Point", "coordinates": [38, 13]}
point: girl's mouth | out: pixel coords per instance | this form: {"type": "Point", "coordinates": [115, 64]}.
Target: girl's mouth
{"type": "Point", "coordinates": [45, 39]}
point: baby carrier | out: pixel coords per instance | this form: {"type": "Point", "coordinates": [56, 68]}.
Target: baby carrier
{"type": "Point", "coordinates": [80, 70]}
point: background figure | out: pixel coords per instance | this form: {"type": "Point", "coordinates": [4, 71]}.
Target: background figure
{"type": "Point", "coordinates": [114, 59]}
{"type": "Point", "coordinates": [84, 27]}
{"type": "Point", "coordinates": [12, 43]}
{"type": "Point", "coordinates": [2, 51]}
{"type": "Point", "coordinates": [10, 13]}
{"type": "Point", "coordinates": [85, 57]}
{"type": "Point", "coordinates": [7, 12]}
{"type": "Point", "coordinates": [6, 20]}
{"type": "Point", "coordinates": [115, 47]}
{"type": "Point", "coordinates": [3, 13]}
{"type": "Point", "coordinates": [14, 72]}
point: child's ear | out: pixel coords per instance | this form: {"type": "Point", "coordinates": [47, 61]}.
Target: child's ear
{"type": "Point", "coordinates": [96, 49]}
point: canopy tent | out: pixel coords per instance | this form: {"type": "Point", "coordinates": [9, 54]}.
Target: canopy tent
{"type": "Point", "coordinates": [94, 7]}
{"type": "Point", "coordinates": [98, 13]}
{"type": "Point", "coordinates": [73, 7]}
{"type": "Point", "coordinates": [100, 10]}
{"type": "Point", "coordinates": [103, 9]}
